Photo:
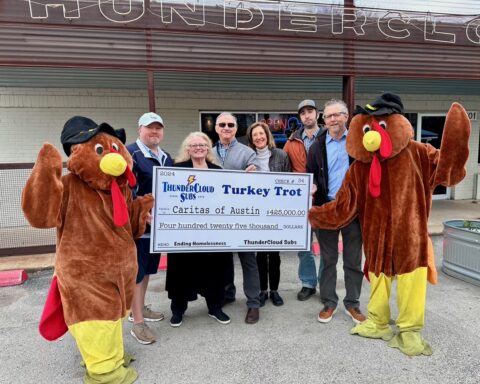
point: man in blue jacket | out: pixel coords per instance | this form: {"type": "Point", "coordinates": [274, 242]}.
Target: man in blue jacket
{"type": "Point", "coordinates": [146, 154]}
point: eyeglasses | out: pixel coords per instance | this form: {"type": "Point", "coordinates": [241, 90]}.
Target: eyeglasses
{"type": "Point", "coordinates": [198, 146]}
{"type": "Point", "coordinates": [335, 115]}
{"type": "Point", "coordinates": [223, 125]}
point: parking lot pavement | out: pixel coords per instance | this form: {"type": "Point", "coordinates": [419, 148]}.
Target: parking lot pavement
{"type": "Point", "coordinates": [288, 345]}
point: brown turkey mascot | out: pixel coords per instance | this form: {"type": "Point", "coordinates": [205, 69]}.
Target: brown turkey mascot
{"type": "Point", "coordinates": [97, 222]}
{"type": "Point", "coordinates": [389, 187]}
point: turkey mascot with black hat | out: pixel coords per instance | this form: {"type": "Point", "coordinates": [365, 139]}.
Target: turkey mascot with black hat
{"type": "Point", "coordinates": [97, 222]}
{"type": "Point", "coordinates": [389, 187]}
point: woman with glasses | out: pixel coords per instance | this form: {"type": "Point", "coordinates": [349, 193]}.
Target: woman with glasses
{"type": "Point", "coordinates": [269, 159]}
{"type": "Point", "coordinates": [189, 274]}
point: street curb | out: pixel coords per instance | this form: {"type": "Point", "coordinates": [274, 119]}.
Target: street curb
{"type": "Point", "coordinates": [29, 263]}
{"type": "Point", "coordinates": [13, 277]}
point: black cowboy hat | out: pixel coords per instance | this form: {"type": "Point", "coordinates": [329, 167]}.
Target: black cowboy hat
{"type": "Point", "coordinates": [385, 104]}
{"type": "Point", "coordinates": [79, 129]}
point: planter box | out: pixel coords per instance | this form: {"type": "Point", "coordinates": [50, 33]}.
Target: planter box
{"type": "Point", "coordinates": [461, 250]}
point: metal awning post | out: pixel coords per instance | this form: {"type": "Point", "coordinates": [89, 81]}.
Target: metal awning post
{"type": "Point", "coordinates": [348, 81]}
{"type": "Point", "coordinates": [151, 90]}
{"type": "Point", "coordinates": [150, 71]}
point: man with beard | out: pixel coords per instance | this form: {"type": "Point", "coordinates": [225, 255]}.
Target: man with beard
{"type": "Point", "coordinates": [297, 148]}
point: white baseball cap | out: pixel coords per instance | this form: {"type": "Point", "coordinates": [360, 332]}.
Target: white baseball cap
{"type": "Point", "coordinates": [149, 118]}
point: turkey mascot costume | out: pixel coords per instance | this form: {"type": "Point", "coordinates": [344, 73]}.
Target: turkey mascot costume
{"type": "Point", "coordinates": [97, 222]}
{"type": "Point", "coordinates": [389, 187]}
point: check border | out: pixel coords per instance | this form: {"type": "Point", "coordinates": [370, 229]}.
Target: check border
{"type": "Point", "coordinates": [279, 194]}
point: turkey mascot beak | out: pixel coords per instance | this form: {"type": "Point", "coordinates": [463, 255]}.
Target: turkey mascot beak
{"type": "Point", "coordinates": [115, 165]}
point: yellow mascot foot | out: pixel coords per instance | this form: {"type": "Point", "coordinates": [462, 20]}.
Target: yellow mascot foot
{"type": "Point", "coordinates": [411, 343]}
{"type": "Point", "coordinates": [374, 331]}
{"type": "Point", "coordinates": [121, 375]}
{"type": "Point", "coordinates": [127, 359]}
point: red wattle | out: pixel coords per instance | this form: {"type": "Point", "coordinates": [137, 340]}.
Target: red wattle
{"type": "Point", "coordinates": [375, 177]}
{"type": "Point", "coordinates": [120, 210]}
{"type": "Point", "coordinates": [386, 147]}
{"type": "Point", "coordinates": [132, 180]}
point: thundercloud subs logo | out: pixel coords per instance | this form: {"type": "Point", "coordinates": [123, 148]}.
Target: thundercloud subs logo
{"type": "Point", "coordinates": [189, 191]}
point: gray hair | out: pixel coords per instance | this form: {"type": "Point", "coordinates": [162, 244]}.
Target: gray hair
{"type": "Point", "coordinates": [226, 114]}
{"type": "Point", "coordinates": [336, 101]}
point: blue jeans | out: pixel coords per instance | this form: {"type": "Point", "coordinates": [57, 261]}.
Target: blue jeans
{"type": "Point", "coordinates": [307, 271]}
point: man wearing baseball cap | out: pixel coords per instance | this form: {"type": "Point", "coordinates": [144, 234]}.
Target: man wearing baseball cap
{"type": "Point", "coordinates": [146, 154]}
{"type": "Point", "coordinates": [297, 147]}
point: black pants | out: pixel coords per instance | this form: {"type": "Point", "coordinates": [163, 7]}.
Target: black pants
{"type": "Point", "coordinates": [179, 306]}
{"type": "Point", "coordinates": [352, 264]}
{"type": "Point", "coordinates": [269, 269]}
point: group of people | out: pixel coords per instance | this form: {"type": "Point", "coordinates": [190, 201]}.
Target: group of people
{"type": "Point", "coordinates": [313, 149]}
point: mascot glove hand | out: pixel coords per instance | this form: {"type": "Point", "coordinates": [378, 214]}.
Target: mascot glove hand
{"type": "Point", "coordinates": [49, 160]}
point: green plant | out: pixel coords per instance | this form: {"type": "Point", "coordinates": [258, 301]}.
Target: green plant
{"type": "Point", "coordinates": [471, 225]}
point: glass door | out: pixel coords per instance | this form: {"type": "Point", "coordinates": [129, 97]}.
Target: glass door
{"type": "Point", "coordinates": [430, 130]}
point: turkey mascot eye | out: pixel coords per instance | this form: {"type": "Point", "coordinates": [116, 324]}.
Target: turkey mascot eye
{"type": "Point", "coordinates": [366, 128]}
{"type": "Point", "coordinates": [99, 149]}
{"type": "Point", "coordinates": [115, 146]}
{"type": "Point", "coordinates": [383, 124]}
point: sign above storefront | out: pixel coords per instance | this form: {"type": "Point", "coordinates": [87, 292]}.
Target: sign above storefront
{"type": "Point", "coordinates": [267, 17]}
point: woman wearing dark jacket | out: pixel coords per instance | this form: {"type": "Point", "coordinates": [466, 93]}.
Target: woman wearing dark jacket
{"type": "Point", "coordinates": [189, 274]}
{"type": "Point", "coordinates": [270, 159]}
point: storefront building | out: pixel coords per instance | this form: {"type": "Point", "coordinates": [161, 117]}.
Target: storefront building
{"type": "Point", "coordinates": [188, 60]}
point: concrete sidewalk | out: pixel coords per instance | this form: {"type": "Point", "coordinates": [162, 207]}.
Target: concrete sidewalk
{"type": "Point", "coordinates": [287, 345]}
{"type": "Point", "coordinates": [442, 210]}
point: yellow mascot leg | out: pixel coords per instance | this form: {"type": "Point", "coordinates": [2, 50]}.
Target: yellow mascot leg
{"type": "Point", "coordinates": [377, 324]}
{"type": "Point", "coordinates": [101, 345]}
{"type": "Point", "coordinates": [411, 296]}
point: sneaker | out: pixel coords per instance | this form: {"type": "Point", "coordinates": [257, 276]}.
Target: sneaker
{"type": "Point", "coordinates": [305, 293]}
{"type": "Point", "coordinates": [326, 314]}
{"type": "Point", "coordinates": [263, 298]}
{"type": "Point", "coordinates": [220, 316]}
{"type": "Point", "coordinates": [148, 315]}
{"type": "Point", "coordinates": [355, 315]}
{"type": "Point", "coordinates": [176, 320]}
{"type": "Point", "coordinates": [143, 334]}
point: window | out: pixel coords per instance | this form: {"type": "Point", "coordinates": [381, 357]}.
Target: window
{"type": "Point", "coordinates": [282, 125]}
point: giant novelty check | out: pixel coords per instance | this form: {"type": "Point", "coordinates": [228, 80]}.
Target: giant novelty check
{"type": "Point", "coordinates": [200, 210]}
